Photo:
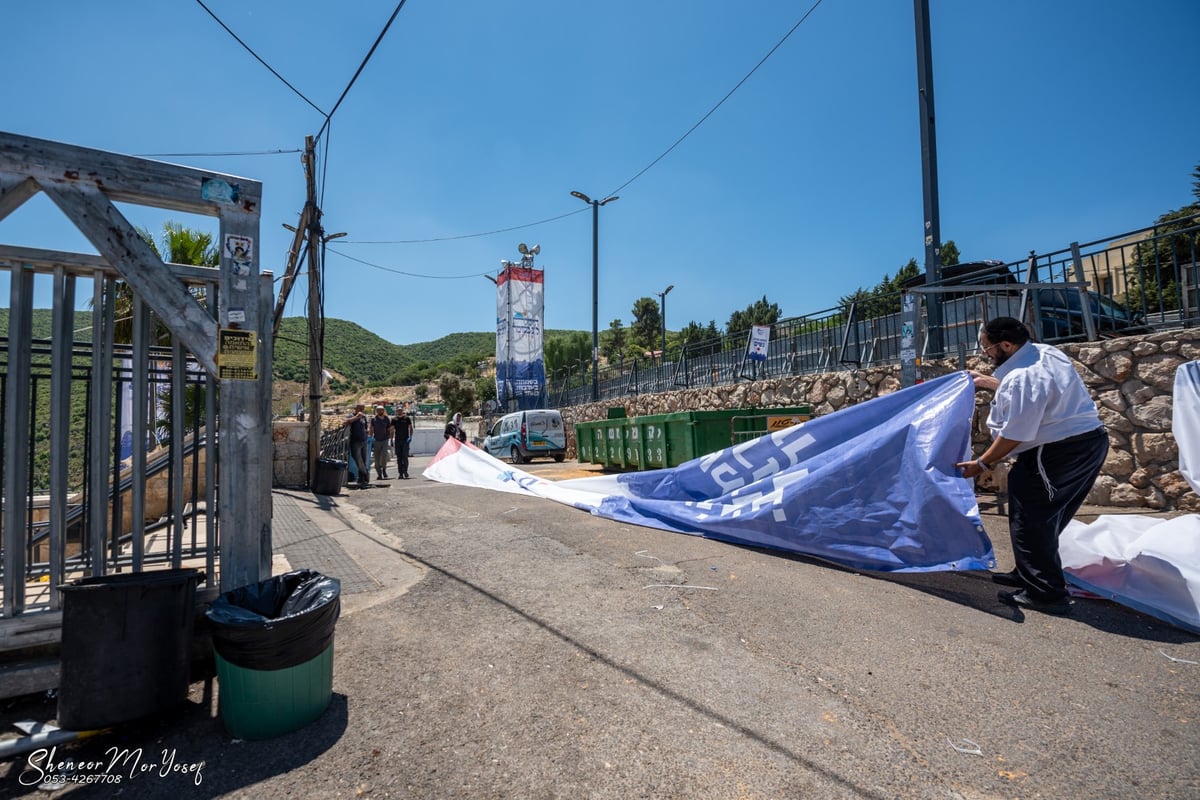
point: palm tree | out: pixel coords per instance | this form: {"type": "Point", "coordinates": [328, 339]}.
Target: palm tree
{"type": "Point", "coordinates": [181, 246]}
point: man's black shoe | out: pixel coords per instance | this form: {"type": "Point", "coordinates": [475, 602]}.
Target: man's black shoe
{"type": "Point", "coordinates": [1007, 579]}
{"type": "Point", "coordinates": [1022, 599]}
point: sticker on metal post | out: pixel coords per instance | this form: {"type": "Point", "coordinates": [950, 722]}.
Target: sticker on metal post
{"type": "Point", "coordinates": [237, 355]}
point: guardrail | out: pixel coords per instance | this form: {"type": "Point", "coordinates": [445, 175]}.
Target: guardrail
{"type": "Point", "coordinates": [1143, 280]}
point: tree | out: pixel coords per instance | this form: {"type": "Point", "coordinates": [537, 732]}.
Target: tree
{"type": "Point", "coordinates": [485, 389]}
{"type": "Point", "coordinates": [179, 245]}
{"type": "Point", "coordinates": [458, 395]}
{"type": "Point", "coordinates": [421, 391]}
{"type": "Point", "coordinates": [564, 350]}
{"type": "Point", "coordinates": [760, 312]}
{"type": "Point", "coordinates": [949, 254]}
{"type": "Point", "coordinates": [1153, 286]}
{"type": "Point", "coordinates": [186, 246]}
{"type": "Point", "coordinates": [647, 324]}
{"type": "Point", "coordinates": [614, 341]}
{"type": "Point", "coordinates": [699, 339]}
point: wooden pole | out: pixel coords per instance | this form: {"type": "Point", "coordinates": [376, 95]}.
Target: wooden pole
{"type": "Point", "coordinates": [316, 322]}
{"type": "Point", "coordinates": [289, 270]}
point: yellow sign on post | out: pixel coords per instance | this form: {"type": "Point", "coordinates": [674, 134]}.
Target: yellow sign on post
{"type": "Point", "coordinates": [779, 423]}
{"type": "Point", "coordinates": [237, 355]}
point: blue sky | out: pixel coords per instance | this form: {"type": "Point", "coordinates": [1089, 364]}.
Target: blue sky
{"type": "Point", "coordinates": [1057, 121]}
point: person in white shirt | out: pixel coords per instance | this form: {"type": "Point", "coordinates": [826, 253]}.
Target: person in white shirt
{"type": "Point", "coordinates": [1043, 415]}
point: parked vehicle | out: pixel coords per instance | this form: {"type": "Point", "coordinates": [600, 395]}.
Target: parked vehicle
{"type": "Point", "coordinates": [1059, 310]}
{"type": "Point", "coordinates": [522, 435]}
{"type": "Point", "coordinates": [1062, 316]}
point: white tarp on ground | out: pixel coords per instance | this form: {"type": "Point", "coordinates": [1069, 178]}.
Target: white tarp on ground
{"type": "Point", "coordinates": [1148, 564]}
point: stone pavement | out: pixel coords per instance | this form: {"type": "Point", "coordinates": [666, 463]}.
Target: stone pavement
{"type": "Point", "coordinates": [329, 535]}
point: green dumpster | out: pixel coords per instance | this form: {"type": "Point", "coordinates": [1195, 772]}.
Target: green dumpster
{"type": "Point", "coordinates": [585, 442]}
{"type": "Point", "coordinates": [653, 432]}
{"type": "Point", "coordinates": [614, 443]}
{"type": "Point", "coordinates": [691, 434]}
{"type": "Point", "coordinates": [655, 441]}
{"type": "Point", "coordinates": [632, 434]}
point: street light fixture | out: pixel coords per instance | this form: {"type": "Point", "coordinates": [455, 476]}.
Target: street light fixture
{"type": "Point", "coordinates": [662, 298]}
{"type": "Point", "coordinates": [595, 204]}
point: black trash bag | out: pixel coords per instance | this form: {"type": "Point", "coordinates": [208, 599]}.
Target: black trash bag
{"type": "Point", "coordinates": [278, 623]}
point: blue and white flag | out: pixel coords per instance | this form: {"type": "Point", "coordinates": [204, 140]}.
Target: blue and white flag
{"type": "Point", "coordinates": [871, 487]}
{"type": "Point", "coordinates": [760, 338]}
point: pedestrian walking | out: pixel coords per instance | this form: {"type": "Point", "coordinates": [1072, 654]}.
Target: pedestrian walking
{"type": "Point", "coordinates": [357, 423]}
{"type": "Point", "coordinates": [402, 430]}
{"type": "Point", "coordinates": [381, 430]}
{"type": "Point", "coordinates": [1042, 414]}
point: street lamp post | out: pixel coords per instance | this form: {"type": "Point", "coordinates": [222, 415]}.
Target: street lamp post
{"type": "Point", "coordinates": [595, 204]}
{"type": "Point", "coordinates": [662, 299]}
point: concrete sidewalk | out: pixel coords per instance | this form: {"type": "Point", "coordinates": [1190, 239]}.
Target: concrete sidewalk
{"type": "Point", "coordinates": [330, 535]}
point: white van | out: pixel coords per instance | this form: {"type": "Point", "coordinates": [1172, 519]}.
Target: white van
{"type": "Point", "coordinates": [524, 434]}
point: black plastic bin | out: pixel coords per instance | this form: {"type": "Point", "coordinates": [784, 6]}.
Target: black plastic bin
{"type": "Point", "coordinates": [126, 646]}
{"type": "Point", "coordinates": [331, 476]}
{"type": "Point", "coordinates": [274, 652]}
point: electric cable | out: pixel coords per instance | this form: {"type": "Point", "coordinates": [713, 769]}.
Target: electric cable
{"type": "Point", "coordinates": [640, 173]}
{"type": "Point", "coordinates": [361, 66]}
{"type": "Point", "coordinates": [721, 102]}
{"type": "Point", "coordinates": [402, 272]}
{"type": "Point", "coordinates": [259, 59]}
{"type": "Point", "coordinates": [474, 235]}
{"type": "Point", "coordinates": [219, 155]}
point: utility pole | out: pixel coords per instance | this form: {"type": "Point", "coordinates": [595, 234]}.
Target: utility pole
{"type": "Point", "coordinates": [316, 318]}
{"type": "Point", "coordinates": [289, 271]}
{"type": "Point", "coordinates": [929, 181]}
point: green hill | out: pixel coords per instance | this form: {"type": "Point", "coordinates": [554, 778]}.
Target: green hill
{"type": "Point", "coordinates": [360, 356]}
{"type": "Point", "coordinates": [351, 351]}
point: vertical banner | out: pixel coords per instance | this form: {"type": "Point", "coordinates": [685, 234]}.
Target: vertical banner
{"type": "Point", "coordinates": [503, 389]}
{"type": "Point", "coordinates": [520, 369]}
{"type": "Point", "coordinates": [760, 339]}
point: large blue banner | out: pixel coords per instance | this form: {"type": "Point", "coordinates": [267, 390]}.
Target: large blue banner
{"type": "Point", "coordinates": [872, 486]}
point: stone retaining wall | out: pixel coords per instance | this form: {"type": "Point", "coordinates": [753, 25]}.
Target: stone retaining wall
{"type": "Point", "coordinates": [1131, 379]}
{"type": "Point", "coordinates": [291, 453]}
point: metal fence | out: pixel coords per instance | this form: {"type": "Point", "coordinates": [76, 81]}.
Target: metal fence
{"type": "Point", "coordinates": [1136, 282]}
{"type": "Point", "coordinates": [91, 501]}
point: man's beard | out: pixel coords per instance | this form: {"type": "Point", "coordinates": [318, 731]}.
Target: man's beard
{"type": "Point", "coordinates": [1001, 356]}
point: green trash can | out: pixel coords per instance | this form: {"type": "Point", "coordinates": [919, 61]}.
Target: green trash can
{"type": "Point", "coordinates": [274, 653]}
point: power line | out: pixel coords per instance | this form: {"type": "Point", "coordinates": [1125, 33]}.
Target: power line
{"type": "Point", "coordinates": [218, 155]}
{"type": "Point", "coordinates": [358, 72]}
{"type": "Point", "coordinates": [473, 235]}
{"type": "Point", "coordinates": [712, 110]}
{"type": "Point", "coordinates": [642, 172]}
{"type": "Point", "coordinates": [402, 272]}
{"type": "Point", "coordinates": [259, 59]}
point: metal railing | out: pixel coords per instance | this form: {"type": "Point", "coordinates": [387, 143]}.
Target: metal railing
{"type": "Point", "coordinates": [1140, 281]}
{"type": "Point", "coordinates": [73, 480]}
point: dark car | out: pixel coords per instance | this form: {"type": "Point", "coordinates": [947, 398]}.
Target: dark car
{"type": "Point", "coordinates": [1059, 309]}
{"type": "Point", "coordinates": [1061, 313]}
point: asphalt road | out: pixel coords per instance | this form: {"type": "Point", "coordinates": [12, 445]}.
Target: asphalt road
{"type": "Point", "coordinates": [533, 651]}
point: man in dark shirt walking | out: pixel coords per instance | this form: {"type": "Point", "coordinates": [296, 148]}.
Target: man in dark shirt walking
{"type": "Point", "coordinates": [402, 428]}
{"type": "Point", "coordinates": [357, 423]}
